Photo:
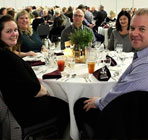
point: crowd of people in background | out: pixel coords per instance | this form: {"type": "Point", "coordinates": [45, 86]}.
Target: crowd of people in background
{"type": "Point", "coordinates": [61, 17]}
{"type": "Point", "coordinates": [19, 38]}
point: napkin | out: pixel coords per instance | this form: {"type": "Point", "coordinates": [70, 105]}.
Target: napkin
{"type": "Point", "coordinates": [102, 75]}
{"type": "Point", "coordinates": [52, 75]}
{"type": "Point", "coordinates": [113, 62]}
{"type": "Point", "coordinates": [36, 63]}
{"type": "Point", "coordinates": [58, 53]}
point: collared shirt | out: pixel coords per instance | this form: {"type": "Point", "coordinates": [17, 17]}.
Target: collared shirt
{"type": "Point", "coordinates": [134, 78]}
{"type": "Point", "coordinates": [67, 31]}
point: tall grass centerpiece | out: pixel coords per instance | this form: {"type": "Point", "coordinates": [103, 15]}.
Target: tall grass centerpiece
{"type": "Point", "coordinates": [81, 38]}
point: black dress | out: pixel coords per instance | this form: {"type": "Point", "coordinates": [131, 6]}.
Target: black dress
{"type": "Point", "coordinates": [19, 85]}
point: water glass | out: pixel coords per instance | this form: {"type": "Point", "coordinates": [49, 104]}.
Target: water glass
{"type": "Point", "coordinates": [119, 48]}
{"type": "Point", "coordinates": [52, 47]}
{"type": "Point", "coordinates": [71, 64]}
{"type": "Point", "coordinates": [97, 44]}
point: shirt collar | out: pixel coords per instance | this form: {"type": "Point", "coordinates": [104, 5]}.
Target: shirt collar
{"type": "Point", "coordinates": [143, 52]}
{"type": "Point", "coordinates": [74, 27]}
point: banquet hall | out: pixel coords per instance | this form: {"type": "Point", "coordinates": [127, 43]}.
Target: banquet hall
{"type": "Point", "coordinates": [74, 80]}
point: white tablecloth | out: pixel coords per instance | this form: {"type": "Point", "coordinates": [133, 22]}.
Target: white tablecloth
{"type": "Point", "coordinates": [70, 92]}
{"type": "Point", "coordinates": [104, 32]}
{"type": "Point", "coordinates": [77, 87]}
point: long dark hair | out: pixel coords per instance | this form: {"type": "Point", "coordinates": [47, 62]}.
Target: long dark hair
{"type": "Point", "coordinates": [3, 20]}
{"type": "Point", "coordinates": [122, 13]}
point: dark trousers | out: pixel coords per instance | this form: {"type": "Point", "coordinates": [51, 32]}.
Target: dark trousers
{"type": "Point", "coordinates": [44, 109]}
{"type": "Point", "coordinates": [87, 122]}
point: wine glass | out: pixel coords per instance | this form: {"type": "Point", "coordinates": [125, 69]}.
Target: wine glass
{"type": "Point", "coordinates": [107, 62]}
{"type": "Point", "coordinates": [71, 65]}
{"type": "Point", "coordinates": [119, 50]}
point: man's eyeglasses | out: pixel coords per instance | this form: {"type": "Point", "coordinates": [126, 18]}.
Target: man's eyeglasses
{"type": "Point", "coordinates": [80, 16]}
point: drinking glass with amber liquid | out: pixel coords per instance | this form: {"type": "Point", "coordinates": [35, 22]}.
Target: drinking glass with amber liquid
{"type": "Point", "coordinates": [91, 66]}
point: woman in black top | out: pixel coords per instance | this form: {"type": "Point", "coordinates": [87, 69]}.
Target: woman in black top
{"type": "Point", "coordinates": [25, 96]}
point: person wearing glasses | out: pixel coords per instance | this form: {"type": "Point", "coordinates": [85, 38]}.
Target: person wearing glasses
{"type": "Point", "coordinates": [78, 18]}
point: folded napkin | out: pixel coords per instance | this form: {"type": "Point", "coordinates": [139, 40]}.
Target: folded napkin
{"type": "Point", "coordinates": [36, 63]}
{"type": "Point", "coordinates": [52, 75]}
{"type": "Point", "coordinates": [102, 75]}
{"type": "Point", "coordinates": [58, 53]}
{"type": "Point", "coordinates": [113, 62]}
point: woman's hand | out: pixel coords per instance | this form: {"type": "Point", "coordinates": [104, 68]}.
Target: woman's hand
{"type": "Point", "coordinates": [44, 49]}
{"type": "Point", "coordinates": [90, 103]}
{"type": "Point", "coordinates": [43, 91]}
{"type": "Point", "coordinates": [31, 53]}
{"type": "Point", "coordinates": [23, 54]}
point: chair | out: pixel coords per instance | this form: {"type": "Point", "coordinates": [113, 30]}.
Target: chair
{"type": "Point", "coordinates": [43, 30]}
{"type": "Point", "coordinates": [110, 29]}
{"type": "Point", "coordinates": [11, 130]}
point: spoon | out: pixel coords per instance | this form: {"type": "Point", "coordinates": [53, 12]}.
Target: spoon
{"type": "Point", "coordinates": [73, 75]}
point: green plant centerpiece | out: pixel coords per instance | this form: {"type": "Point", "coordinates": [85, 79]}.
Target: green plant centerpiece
{"type": "Point", "coordinates": [81, 39]}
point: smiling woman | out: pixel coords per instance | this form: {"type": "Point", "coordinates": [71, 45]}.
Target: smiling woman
{"type": "Point", "coordinates": [10, 32]}
{"type": "Point", "coordinates": [25, 96]}
{"type": "Point", "coordinates": [30, 40]}
{"type": "Point", "coordinates": [120, 34]}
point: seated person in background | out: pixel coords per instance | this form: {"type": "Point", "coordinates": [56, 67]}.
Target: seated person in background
{"type": "Point", "coordinates": [78, 18]}
{"type": "Point", "coordinates": [69, 13]}
{"type": "Point", "coordinates": [37, 20]}
{"type": "Point", "coordinates": [111, 17]}
{"type": "Point", "coordinates": [120, 35]}
{"type": "Point", "coordinates": [133, 79]}
{"type": "Point", "coordinates": [29, 38]}
{"type": "Point", "coordinates": [11, 12]}
{"type": "Point", "coordinates": [27, 99]}
{"type": "Point", "coordinates": [101, 15]}
{"type": "Point", "coordinates": [47, 17]}
{"type": "Point", "coordinates": [60, 22]}
{"type": "Point", "coordinates": [3, 11]}
{"type": "Point", "coordinates": [87, 19]}
{"type": "Point", "coordinates": [110, 20]}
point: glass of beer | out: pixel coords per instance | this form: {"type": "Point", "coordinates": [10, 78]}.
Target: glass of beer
{"type": "Point", "coordinates": [61, 63]}
{"type": "Point", "coordinates": [91, 59]}
{"type": "Point", "coordinates": [91, 66]}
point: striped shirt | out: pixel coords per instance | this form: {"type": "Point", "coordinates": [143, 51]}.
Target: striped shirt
{"type": "Point", "coordinates": [134, 78]}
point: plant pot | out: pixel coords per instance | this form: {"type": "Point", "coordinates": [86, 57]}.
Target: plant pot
{"type": "Point", "coordinates": [79, 56]}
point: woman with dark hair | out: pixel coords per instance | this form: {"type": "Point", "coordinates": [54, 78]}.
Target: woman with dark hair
{"type": "Point", "coordinates": [28, 100]}
{"type": "Point", "coordinates": [3, 11]}
{"type": "Point", "coordinates": [120, 35]}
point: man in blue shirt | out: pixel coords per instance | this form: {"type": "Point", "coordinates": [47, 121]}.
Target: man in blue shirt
{"type": "Point", "coordinates": [135, 78]}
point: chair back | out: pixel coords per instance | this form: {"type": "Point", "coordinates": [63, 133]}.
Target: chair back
{"type": "Point", "coordinates": [126, 117]}
{"type": "Point", "coordinates": [9, 128]}
{"type": "Point", "coordinates": [43, 30]}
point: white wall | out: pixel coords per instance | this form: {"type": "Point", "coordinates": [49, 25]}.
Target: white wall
{"type": "Point", "coordinates": [115, 5]}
